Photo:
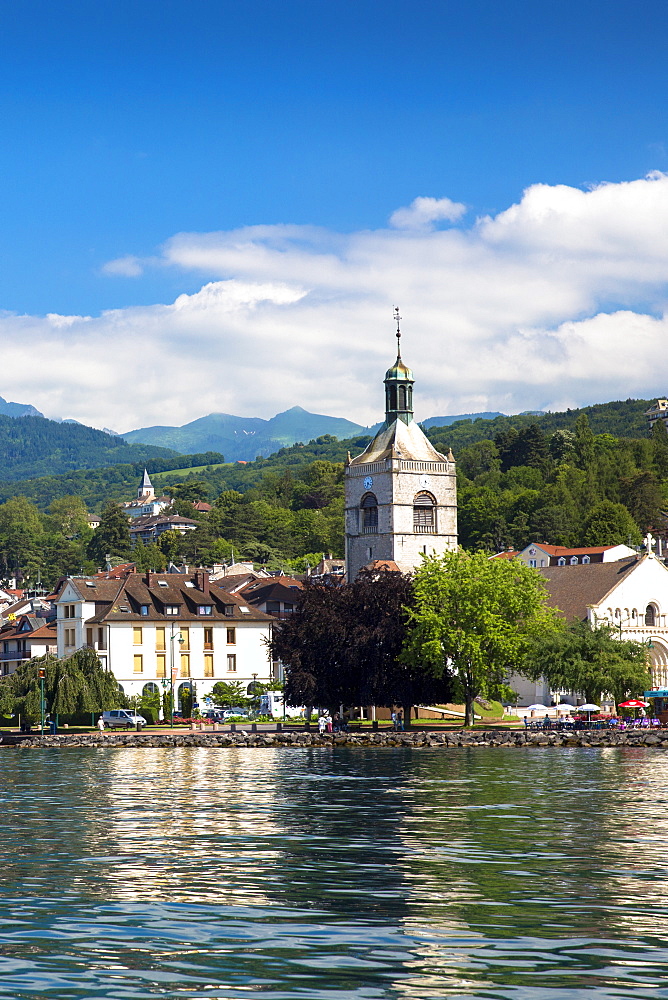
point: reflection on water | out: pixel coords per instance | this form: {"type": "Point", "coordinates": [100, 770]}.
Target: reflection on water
{"type": "Point", "coordinates": [273, 873]}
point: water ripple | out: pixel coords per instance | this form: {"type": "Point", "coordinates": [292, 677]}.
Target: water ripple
{"type": "Point", "coordinates": [221, 874]}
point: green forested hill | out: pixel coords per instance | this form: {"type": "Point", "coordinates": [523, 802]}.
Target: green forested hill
{"type": "Point", "coordinates": [591, 477]}
{"type": "Point", "coordinates": [34, 446]}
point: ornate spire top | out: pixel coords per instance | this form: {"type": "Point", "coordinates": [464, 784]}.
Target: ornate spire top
{"type": "Point", "coordinates": [398, 385]}
{"type": "Point", "coordinates": [398, 320]}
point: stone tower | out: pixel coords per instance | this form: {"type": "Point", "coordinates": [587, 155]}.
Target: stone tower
{"type": "Point", "coordinates": [401, 494]}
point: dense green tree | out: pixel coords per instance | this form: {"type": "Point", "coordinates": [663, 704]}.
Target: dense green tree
{"type": "Point", "coordinates": [192, 491]}
{"type": "Point", "coordinates": [479, 458]}
{"type": "Point", "coordinates": [590, 661]}
{"type": "Point", "coordinates": [20, 536]}
{"type": "Point", "coordinates": [642, 495]}
{"type": "Point", "coordinates": [342, 645]}
{"type": "Point", "coordinates": [660, 448]}
{"type": "Point", "coordinates": [475, 619]}
{"type": "Point", "coordinates": [229, 694]}
{"type": "Point", "coordinates": [72, 685]}
{"type": "Point", "coordinates": [562, 446]}
{"type": "Point", "coordinates": [148, 557]}
{"type": "Point", "coordinates": [112, 536]}
{"type": "Point", "coordinates": [169, 544]}
{"type": "Point", "coordinates": [610, 523]}
{"type": "Point", "coordinates": [69, 517]}
{"type": "Point", "coordinates": [584, 442]}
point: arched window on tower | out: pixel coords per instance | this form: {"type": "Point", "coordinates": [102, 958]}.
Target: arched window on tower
{"type": "Point", "coordinates": [424, 514]}
{"type": "Point", "coordinates": [369, 507]}
{"type": "Point", "coordinates": [402, 397]}
{"type": "Point", "coordinates": [650, 615]}
{"type": "Point", "coordinates": [393, 397]}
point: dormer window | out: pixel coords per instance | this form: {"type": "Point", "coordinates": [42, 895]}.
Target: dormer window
{"type": "Point", "coordinates": [144, 610]}
{"type": "Point", "coordinates": [561, 561]}
{"type": "Point", "coordinates": [229, 610]}
{"type": "Point", "coordinates": [204, 609]}
{"type": "Point", "coordinates": [172, 609]}
{"type": "Point", "coordinates": [574, 560]}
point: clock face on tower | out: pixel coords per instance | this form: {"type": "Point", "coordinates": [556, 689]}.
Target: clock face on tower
{"type": "Point", "coordinates": [425, 481]}
{"type": "Point", "coordinates": [368, 483]}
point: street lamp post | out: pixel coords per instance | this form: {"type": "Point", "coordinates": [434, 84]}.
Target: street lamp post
{"type": "Point", "coordinates": [172, 669]}
{"type": "Point", "coordinates": [42, 675]}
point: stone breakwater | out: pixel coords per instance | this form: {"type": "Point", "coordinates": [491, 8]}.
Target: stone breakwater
{"type": "Point", "coordinates": [489, 738]}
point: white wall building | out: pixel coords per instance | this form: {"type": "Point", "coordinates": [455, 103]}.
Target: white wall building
{"type": "Point", "coordinates": [630, 594]}
{"type": "Point", "coordinates": [155, 628]}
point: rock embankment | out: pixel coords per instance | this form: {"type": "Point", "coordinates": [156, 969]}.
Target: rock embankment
{"type": "Point", "coordinates": [482, 738]}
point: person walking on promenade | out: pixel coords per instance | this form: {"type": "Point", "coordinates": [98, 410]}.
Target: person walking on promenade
{"type": "Point", "coordinates": [100, 724]}
{"type": "Point", "coordinates": [400, 721]}
{"type": "Point", "coordinates": [322, 724]}
{"type": "Point", "coordinates": [328, 721]}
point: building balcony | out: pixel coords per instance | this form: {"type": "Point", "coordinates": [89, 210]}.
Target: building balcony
{"type": "Point", "coordinates": [370, 529]}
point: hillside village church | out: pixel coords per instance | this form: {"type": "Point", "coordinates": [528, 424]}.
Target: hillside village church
{"type": "Point", "coordinates": [401, 494]}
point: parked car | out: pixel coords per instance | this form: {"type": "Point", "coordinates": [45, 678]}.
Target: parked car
{"type": "Point", "coordinates": [213, 715]}
{"type": "Point", "coordinates": [123, 717]}
{"type": "Point", "coordinates": [234, 713]}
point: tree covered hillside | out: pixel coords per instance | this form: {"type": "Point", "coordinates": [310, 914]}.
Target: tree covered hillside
{"type": "Point", "coordinates": [568, 486]}
{"type": "Point", "coordinates": [34, 446]}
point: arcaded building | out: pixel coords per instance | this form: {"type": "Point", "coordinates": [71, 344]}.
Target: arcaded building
{"type": "Point", "coordinates": [401, 494]}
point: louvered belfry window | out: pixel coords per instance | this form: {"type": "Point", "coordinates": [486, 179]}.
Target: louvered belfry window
{"type": "Point", "coordinates": [424, 520]}
{"type": "Point", "coordinates": [369, 512]}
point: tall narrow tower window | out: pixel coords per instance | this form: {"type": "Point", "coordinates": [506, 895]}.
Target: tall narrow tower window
{"type": "Point", "coordinates": [424, 514]}
{"type": "Point", "coordinates": [369, 507]}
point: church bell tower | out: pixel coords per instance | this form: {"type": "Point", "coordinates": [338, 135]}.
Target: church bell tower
{"type": "Point", "coordinates": [401, 494]}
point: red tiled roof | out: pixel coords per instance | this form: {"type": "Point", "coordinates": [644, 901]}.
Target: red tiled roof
{"type": "Point", "coordinates": [561, 550]}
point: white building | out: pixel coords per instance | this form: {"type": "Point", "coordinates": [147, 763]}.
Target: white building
{"type": "Point", "coordinates": [541, 554]}
{"type": "Point", "coordinates": [155, 628]}
{"type": "Point", "coordinates": [146, 504]}
{"type": "Point", "coordinates": [401, 494]}
{"type": "Point", "coordinates": [630, 594]}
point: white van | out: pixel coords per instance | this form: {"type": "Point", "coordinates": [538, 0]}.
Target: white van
{"type": "Point", "coordinates": [123, 717]}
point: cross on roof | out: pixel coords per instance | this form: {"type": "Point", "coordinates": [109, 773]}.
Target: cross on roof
{"type": "Point", "coordinates": [398, 320]}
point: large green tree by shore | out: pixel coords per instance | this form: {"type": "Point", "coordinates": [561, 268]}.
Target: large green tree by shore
{"type": "Point", "coordinates": [474, 620]}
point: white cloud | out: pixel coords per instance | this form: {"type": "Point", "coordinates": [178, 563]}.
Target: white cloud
{"type": "Point", "coordinates": [558, 300]}
{"type": "Point", "coordinates": [126, 267]}
{"type": "Point", "coordinates": [423, 213]}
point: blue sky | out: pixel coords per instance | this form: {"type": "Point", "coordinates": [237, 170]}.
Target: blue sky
{"type": "Point", "coordinates": [125, 124]}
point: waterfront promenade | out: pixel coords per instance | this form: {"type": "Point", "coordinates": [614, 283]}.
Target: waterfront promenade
{"type": "Point", "coordinates": [508, 738]}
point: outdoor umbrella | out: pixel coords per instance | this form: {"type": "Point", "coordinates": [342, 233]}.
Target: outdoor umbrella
{"type": "Point", "coordinates": [633, 703]}
{"type": "Point", "coordinates": [536, 708]}
{"type": "Point", "coordinates": [589, 708]}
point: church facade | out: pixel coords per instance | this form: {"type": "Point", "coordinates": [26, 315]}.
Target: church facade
{"type": "Point", "coordinates": [400, 493]}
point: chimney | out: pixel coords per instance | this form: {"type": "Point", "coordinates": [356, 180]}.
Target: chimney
{"type": "Point", "coordinates": [150, 578]}
{"type": "Point", "coordinates": [202, 581]}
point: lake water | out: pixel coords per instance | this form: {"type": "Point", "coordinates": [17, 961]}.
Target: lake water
{"type": "Point", "coordinates": [229, 874]}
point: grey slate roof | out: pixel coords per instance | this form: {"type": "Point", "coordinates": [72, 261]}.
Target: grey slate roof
{"type": "Point", "coordinates": [573, 588]}
{"type": "Point", "coordinates": [122, 600]}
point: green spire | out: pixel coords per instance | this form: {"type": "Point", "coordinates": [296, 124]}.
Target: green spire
{"type": "Point", "coordinates": [398, 385]}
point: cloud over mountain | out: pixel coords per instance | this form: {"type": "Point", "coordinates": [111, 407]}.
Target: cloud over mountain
{"type": "Point", "coordinates": [557, 300]}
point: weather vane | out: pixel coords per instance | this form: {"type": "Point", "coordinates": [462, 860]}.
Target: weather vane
{"type": "Point", "coordinates": [398, 319]}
